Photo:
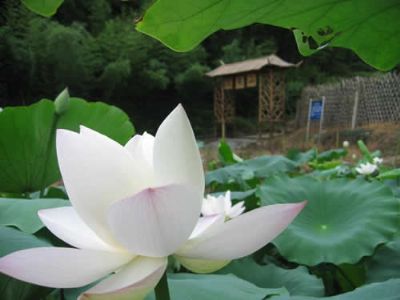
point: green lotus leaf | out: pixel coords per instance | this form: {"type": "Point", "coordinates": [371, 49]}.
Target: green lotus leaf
{"type": "Point", "coordinates": [297, 281]}
{"type": "Point", "coordinates": [331, 154]}
{"type": "Point", "coordinates": [391, 174]}
{"type": "Point", "coordinates": [388, 290]}
{"type": "Point", "coordinates": [385, 264]}
{"type": "Point", "coordinates": [184, 286]}
{"type": "Point", "coordinates": [343, 220]}
{"type": "Point", "coordinates": [11, 289]}
{"type": "Point", "coordinates": [22, 213]}
{"type": "Point", "coordinates": [216, 287]}
{"type": "Point", "coordinates": [45, 8]}
{"type": "Point", "coordinates": [364, 150]}
{"type": "Point", "coordinates": [260, 167]}
{"type": "Point", "coordinates": [28, 160]}
{"type": "Point", "coordinates": [12, 240]}
{"type": "Point", "coordinates": [226, 155]}
{"type": "Point", "coordinates": [301, 157]}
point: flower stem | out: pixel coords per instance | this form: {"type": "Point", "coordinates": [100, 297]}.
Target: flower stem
{"type": "Point", "coordinates": [162, 290]}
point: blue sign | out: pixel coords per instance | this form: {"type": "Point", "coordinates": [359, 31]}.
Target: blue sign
{"type": "Point", "coordinates": [316, 109]}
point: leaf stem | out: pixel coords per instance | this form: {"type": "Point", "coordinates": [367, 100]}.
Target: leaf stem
{"type": "Point", "coordinates": [162, 290]}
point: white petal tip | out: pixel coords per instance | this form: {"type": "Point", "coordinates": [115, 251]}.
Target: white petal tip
{"type": "Point", "coordinates": [179, 110]}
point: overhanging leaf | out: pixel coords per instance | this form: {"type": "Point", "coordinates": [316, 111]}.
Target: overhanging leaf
{"type": "Point", "coordinates": [343, 220]}
{"type": "Point", "coordinates": [368, 27]}
{"type": "Point", "coordinates": [27, 142]}
{"type": "Point", "coordinates": [22, 213]}
{"type": "Point", "coordinates": [45, 8]}
{"type": "Point", "coordinates": [297, 281]}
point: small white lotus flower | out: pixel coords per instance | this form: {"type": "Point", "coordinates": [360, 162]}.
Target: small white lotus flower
{"type": "Point", "coordinates": [366, 169]}
{"type": "Point", "coordinates": [221, 205]}
{"type": "Point", "coordinates": [377, 160]}
{"type": "Point", "coordinates": [132, 207]}
{"type": "Point", "coordinates": [353, 156]}
{"type": "Point", "coordinates": [346, 144]}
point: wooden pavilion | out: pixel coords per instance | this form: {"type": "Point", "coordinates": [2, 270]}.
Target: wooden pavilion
{"type": "Point", "coordinates": [268, 73]}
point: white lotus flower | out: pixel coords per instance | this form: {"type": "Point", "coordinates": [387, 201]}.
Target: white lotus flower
{"type": "Point", "coordinates": [346, 144]}
{"type": "Point", "coordinates": [133, 206]}
{"type": "Point", "coordinates": [366, 169]}
{"type": "Point", "coordinates": [221, 205]}
{"type": "Point", "coordinates": [377, 161]}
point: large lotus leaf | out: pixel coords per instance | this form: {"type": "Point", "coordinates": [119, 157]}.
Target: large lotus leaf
{"type": "Point", "coordinates": [215, 287]}
{"type": "Point", "coordinates": [370, 28]}
{"type": "Point", "coordinates": [22, 213]}
{"type": "Point", "coordinates": [102, 117]}
{"type": "Point", "coordinates": [11, 289]}
{"type": "Point", "coordinates": [301, 157]}
{"type": "Point", "coordinates": [260, 167]}
{"type": "Point", "coordinates": [331, 154]}
{"type": "Point", "coordinates": [45, 8]}
{"type": "Point", "coordinates": [297, 281]}
{"type": "Point", "coordinates": [388, 290]}
{"type": "Point", "coordinates": [184, 286]}
{"type": "Point", "coordinates": [27, 141]}
{"type": "Point", "coordinates": [343, 220]}
{"type": "Point", "coordinates": [385, 264]}
{"type": "Point", "coordinates": [391, 174]}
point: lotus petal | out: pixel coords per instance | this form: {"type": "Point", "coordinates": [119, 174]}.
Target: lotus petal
{"type": "Point", "coordinates": [176, 155]}
{"type": "Point", "coordinates": [65, 223]}
{"type": "Point", "coordinates": [202, 266]}
{"type": "Point", "coordinates": [236, 210]}
{"type": "Point", "coordinates": [61, 267]}
{"type": "Point", "coordinates": [133, 282]}
{"type": "Point", "coordinates": [155, 221]}
{"type": "Point", "coordinates": [205, 225]}
{"type": "Point", "coordinates": [96, 172]}
{"type": "Point", "coordinates": [141, 147]}
{"type": "Point", "coordinates": [242, 235]}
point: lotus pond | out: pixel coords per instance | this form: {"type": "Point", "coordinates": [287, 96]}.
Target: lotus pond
{"type": "Point", "coordinates": [344, 244]}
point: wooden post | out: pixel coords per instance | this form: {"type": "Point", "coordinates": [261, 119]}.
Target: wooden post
{"type": "Point", "coordinates": [219, 105]}
{"type": "Point", "coordinates": [271, 95]}
{"type": "Point", "coordinates": [260, 104]}
{"type": "Point", "coordinates": [355, 108]}
{"type": "Point", "coordinates": [223, 129]}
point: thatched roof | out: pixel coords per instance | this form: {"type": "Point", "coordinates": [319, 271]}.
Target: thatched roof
{"type": "Point", "coordinates": [250, 65]}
